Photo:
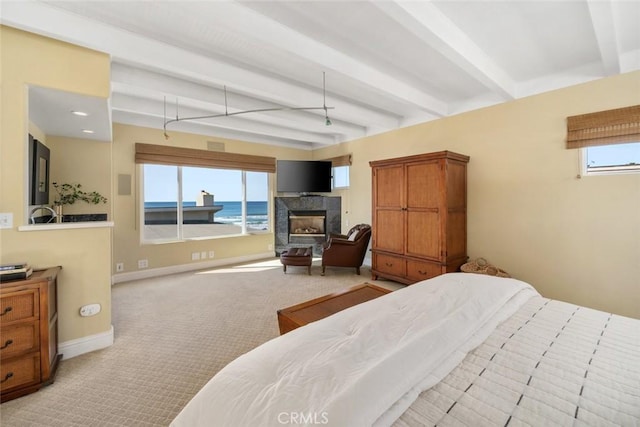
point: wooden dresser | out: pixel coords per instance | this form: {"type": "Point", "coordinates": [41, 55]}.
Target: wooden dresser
{"type": "Point", "coordinates": [419, 216]}
{"type": "Point", "coordinates": [29, 333]}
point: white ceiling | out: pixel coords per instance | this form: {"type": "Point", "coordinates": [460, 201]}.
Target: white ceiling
{"type": "Point", "coordinates": [54, 112]}
{"type": "Point", "coordinates": [388, 63]}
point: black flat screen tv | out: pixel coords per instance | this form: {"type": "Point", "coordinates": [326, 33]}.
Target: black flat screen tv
{"type": "Point", "coordinates": [303, 176]}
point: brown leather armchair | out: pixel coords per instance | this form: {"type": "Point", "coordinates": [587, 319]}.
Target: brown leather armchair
{"type": "Point", "coordinates": [347, 250]}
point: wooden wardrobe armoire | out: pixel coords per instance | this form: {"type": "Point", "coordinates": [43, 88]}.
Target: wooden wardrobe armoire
{"type": "Point", "coordinates": [419, 216]}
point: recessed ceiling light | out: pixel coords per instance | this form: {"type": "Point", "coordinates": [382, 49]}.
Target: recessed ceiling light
{"type": "Point", "coordinates": [80, 113]}
{"type": "Point", "coordinates": [87, 131]}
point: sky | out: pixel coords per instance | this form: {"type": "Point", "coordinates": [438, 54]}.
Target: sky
{"type": "Point", "coordinates": [611, 155]}
{"type": "Point", "coordinates": [160, 184]}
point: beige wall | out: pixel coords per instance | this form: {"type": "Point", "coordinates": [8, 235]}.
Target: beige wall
{"type": "Point", "coordinates": [575, 240]}
{"type": "Point", "coordinates": [127, 246]}
{"type": "Point", "coordinates": [85, 162]}
{"type": "Point", "coordinates": [84, 254]}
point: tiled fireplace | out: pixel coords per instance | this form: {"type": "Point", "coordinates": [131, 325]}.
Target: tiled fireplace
{"type": "Point", "coordinates": [305, 221]}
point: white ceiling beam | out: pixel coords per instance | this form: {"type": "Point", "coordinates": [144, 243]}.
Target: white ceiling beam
{"type": "Point", "coordinates": [601, 13]}
{"type": "Point", "coordinates": [427, 22]}
{"type": "Point", "coordinates": [250, 23]}
{"type": "Point", "coordinates": [130, 48]}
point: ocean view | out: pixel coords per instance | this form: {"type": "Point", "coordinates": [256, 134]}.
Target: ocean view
{"type": "Point", "coordinates": [231, 212]}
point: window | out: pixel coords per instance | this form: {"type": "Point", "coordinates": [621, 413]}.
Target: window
{"type": "Point", "coordinates": [257, 201]}
{"type": "Point", "coordinates": [609, 140]}
{"type": "Point", "coordinates": [214, 202]}
{"type": "Point", "coordinates": [191, 200]}
{"type": "Point", "coordinates": [340, 168]}
{"type": "Point", "coordinates": [340, 177]}
{"type": "Point", "coordinates": [618, 158]}
{"type": "Point", "coordinates": [160, 202]}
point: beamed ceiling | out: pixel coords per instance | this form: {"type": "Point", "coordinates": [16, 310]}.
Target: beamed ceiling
{"type": "Point", "coordinates": [388, 64]}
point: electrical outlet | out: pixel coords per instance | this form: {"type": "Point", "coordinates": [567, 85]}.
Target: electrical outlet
{"type": "Point", "coordinates": [212, 254]}
{"type": "Point", "coordinates": [203, 255]}
{"type": "Point", "coordinates": [90, 310]}
{"type": "Point", "coordinates": [120, 267]}
{"type": "Point", "coordinates": [143, 263]}
{"type": "Point", "coordinates": [195, 256]}
{"type": "Point", "coordinates": [6, 220]}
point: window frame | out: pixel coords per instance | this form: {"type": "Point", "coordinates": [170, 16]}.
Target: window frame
{"type": "Point", "coordinates": [245, 231]}
{"type": "Point", "coordinates": [333, 177]}
{"type": "Point", "coordinates": [585, 170]}
{"type": "Point", "coordinates": [340, 161]}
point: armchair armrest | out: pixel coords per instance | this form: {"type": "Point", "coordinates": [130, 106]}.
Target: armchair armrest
{"type": "Point", "coordinates": [337, 236]}
{"type": "Point", "coordinates": [339, 241]}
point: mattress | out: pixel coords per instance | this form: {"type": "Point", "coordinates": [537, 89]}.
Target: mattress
{"type": "Point", "coordinates": [551, 363]}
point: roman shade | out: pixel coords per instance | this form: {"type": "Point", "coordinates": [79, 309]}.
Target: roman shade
{"type": "Point", "coordinates": [165, 155]}
{"type": "Point", "coordinates": [340, 160]}
{"type": "Point", "coordinates": [618, 126]}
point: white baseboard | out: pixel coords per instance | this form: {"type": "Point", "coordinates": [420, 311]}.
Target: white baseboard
{"type": "Point", "coordinates": [73, 348]}
{"type": "Point", "coordinates": [163, 271]}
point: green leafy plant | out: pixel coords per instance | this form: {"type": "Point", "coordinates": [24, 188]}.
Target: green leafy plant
{"type": "Point", "coordinates": [68, 194]}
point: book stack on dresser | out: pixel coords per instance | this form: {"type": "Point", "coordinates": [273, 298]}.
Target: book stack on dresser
{"type": "Point", "coordinates": [15, 271]}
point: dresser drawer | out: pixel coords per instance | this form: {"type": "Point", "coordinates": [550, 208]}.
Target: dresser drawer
{"type": "Point", "coordinates": [20, 372]}
{"type": "Point", "coordinates": [19, 305]}
{"type": "Point", "coordinates": [390, 265]}
{"type": "Point", "coordinates": [418, 271]}
{"type": "Point", "coordinates": [19, 339]}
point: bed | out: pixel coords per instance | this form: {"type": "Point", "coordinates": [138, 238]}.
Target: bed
{"type": "Point", "coordinates": [459, 349]}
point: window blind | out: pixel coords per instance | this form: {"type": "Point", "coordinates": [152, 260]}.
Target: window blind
{"type": "Point", "coordinates": [165, 155]}
{"type": "Point", "coordinates": [618, 126]}
{"type": "Point", "coordinates": [340, 160]}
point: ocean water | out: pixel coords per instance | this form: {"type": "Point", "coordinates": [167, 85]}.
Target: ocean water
{"type": "Point", "coordinates": [231, 212]}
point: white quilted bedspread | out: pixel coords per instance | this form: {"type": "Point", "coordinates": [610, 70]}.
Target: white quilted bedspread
{"type": "Point", "coordinates": [362, 365]}
{"type": "Point", "coordinates": [551, 363]}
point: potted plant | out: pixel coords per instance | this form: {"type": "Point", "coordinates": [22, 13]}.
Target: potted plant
{"type": "Point", "coordinates": [68, 194]}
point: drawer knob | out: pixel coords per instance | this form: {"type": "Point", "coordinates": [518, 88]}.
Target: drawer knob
{"type": "Point", "coordinates": [6, 310]}
{"type": "Point", "coordinates": [6, 344]}
{"type": "Point", "coordinates": [424, 273]}
{"type": "Point", "coordinates": [389, 264]}
{"type": "Point", "coordinates": [6, 377]}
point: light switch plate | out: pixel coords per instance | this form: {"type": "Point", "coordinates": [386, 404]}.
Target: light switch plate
{"type": "Point", "coordinates": [6, 220]}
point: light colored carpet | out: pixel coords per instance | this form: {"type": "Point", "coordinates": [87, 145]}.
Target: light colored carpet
{"type": "Point", "coordinates": [172, 334]}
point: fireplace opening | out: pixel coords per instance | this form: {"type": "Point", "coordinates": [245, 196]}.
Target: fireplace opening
{"type": "Point", "coordinates": [307, 223]}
